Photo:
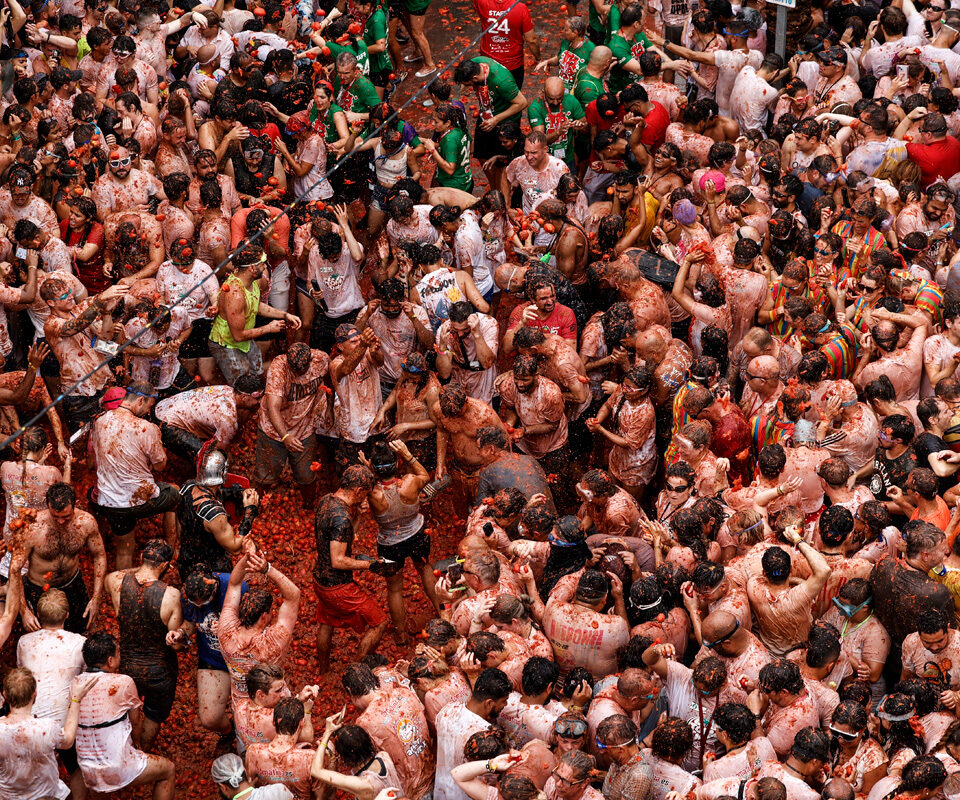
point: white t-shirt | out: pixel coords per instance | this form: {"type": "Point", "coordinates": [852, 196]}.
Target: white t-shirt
{"type": "Point", "coordinates": [28, 766]}
{"type": "Point", "coordinates": [338, 280]}
{"type": "Point", "coordinates": [55, 659]}
{"type": "Point", "coordinates": [730, 62]}
{"type": "Point", "coordinates": [750, 99]}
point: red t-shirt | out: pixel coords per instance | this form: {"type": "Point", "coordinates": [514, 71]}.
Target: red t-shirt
{"type": "Point", "coordinates": [90, 272]}
{"type": "Point", "coordinates": [504, 41]}
{"type": "Point", "coordinates": [600, 123]}
{"type": "Point", "coordinates": [655, 131]}
{"type": "Point", "coordinates": [938, 160]}
{"type": "Point", "coordinates": [560, 321]}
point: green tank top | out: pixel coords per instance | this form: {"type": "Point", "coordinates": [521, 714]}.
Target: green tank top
{"type": "Point", "coordinates": [220, 330]}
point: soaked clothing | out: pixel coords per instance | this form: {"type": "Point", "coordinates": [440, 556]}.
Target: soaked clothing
{"type": "Point", "coordinates": [198, 504]}
{"type": "Point", "coordinates": [144, 653]}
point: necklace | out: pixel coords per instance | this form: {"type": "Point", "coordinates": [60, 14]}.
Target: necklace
{"type": "Point", "coordinates": [859, 626]}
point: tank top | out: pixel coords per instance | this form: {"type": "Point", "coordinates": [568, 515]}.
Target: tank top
{"type": "Point", "coordinates": [438, 291]}
{"type": "Point", "coordinates": [144, 653]}
{"type": "Point", "coordinates": [389, 168]}
{"type": "Point", "coordinates": [252, 183]}
{"type": "Point", "coordinates": [400, 520]}
{"type": "Point", "coordinates": [198, 505]}
{"type": "Point", "coordinates": [220, 330]}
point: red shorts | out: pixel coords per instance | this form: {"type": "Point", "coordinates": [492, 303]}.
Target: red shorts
{"type": "Point", "coordinates": [347, 606]}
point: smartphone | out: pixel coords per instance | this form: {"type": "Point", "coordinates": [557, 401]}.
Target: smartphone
{"type": "Point", "coordinates": [21, 253]}
{"type": "Point", "coordinates": [902, 70]}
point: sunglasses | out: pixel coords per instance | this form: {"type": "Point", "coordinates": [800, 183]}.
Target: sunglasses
{"type": "Point", "coordinates": [121, 162]}
{"type": "Point", "coordinates": [682, 488]}
{"type": "Point", "coordinates": [821, 252]}
{"type": "Point", "coordinates": [846, 735]}
{"type": "Point", "coordinates": [123, 53]}
{"type": "Point", "coordinates": [722, 639]}
{"type": "Point", "coordinates": [570, 728]}
{"type": "Point", "coordinates": [567, 781]}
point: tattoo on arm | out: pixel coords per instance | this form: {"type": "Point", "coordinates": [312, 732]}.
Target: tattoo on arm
{"type": "Point", "coordinates": [81, 322]}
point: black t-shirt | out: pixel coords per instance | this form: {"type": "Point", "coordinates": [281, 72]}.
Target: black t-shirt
{"type": "Point", "coordinates": [901, 594]}
{"type": "Point", "coordinates": [332, 523]}
{"type": "Point", "coordinates": [891, 472]}
{"type": "Point", "coordinates": [925, 444]}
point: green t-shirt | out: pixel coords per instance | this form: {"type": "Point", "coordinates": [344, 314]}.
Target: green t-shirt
{"type": "Point", "coordinates": [571, 60]}
{"type": "Point", "coordinates": [612, 25]}
{"type": "Point", "coordinates": [454, 147]}
{"type": "Point", "coordinates": [593, 18]}
{"type": "Point", "coordinates": [359, 97]}
{"type": "Point", "coordinates": [623, 51]}
{"type": "Point", "coordinates": [498, 93]}
{"type": "Point", "coordinates": [363, 58]}
{"type": "Point", "coordinates": [552, 121]}
{"type": "Point", "coordinates": [331, 134]}
{"type": "Point", "coordinates": [587, 88]}
{"type": "Point", "coordinates": [373, 32]}
{"type": "Point", "coordinates": [83, 48]}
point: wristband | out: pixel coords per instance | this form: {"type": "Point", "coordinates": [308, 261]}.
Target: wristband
{"type": "Point", "coordinates": [267, 568]}
{"type": "Point", "coordinates": [490, 767]}
{"type": "Point", "coordinates": [284, 437]}
{"type": "Point", "coordinates": [74, 700]}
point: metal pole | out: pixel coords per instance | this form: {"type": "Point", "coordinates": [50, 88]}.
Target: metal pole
{"type": "Point", "coordinates": [781, 42]}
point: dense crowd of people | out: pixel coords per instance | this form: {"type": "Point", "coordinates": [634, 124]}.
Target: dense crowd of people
{"type": "Point", "coordinates": [673, 336]}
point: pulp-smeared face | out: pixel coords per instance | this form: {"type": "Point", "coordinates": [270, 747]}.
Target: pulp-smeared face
{"type": "Point", "coordinates": [525, 383]}
{"type": "Point", "coordinates": [685, 447]}
{"type": "Point", "coordinates": [20, 195]}
{"type": "Point", "coordinates": [566, 784]}
{"type": "Point", "coordinates": [545, 300]}
{"type": "Point", "coordinates": [206, 168]}
{"type": "Point", "coordinates": [63, 516]}
{"type": "Point", "coordinates": [937, 641]}
{"type": "Point", "coordinates": [120, 167]}
{"type": "Point", "coordinates": [347, 74]}
{"type": "Point", "coordinates": [935, 208]}
{"type": "Point", "coordinates": [631, 391]}
{"type": "Point", "coordinates": [534, 153]}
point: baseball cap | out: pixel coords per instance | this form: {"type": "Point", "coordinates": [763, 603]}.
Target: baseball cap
{"type": "Point", "coordinates": [113, 397]}
{"type": "Point", "coordinates": [833, 55]}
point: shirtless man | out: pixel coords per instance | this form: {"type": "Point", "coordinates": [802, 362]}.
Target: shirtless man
{"type": "Point", "coordinates": [607, 509]}
{"type": "Point", "coordinates": [559, 362]}
{"type": "Point", "coordinates": [458, 419]}
{"type": "Point", "coordinates": [668, 357]}
{"type": "Point", "coordinates": [50, 549]}
{"type": "Point", "coordinates": [582, 635]}
{"type": "Point", "coordinates": [646, 299]}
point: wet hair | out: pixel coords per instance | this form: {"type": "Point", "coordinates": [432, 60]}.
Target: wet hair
{"type": "Point", "coordinates": [923, 772]}
{"type": "Point", "coordinates": [98, 648]}
{"type": "Point", "coordinates": [482, 644]}
{"type": "Point", "coordinates": [931, 621]}
{"type": "Point", "coordinates": [811, 744]}
{"type": "Point", "coordinates": [357, 477]}
{"type": "Point", "coordinates": [156, 551]}
{"type": "Point", "coordinates": [538, 675]}
{"type": "Point", "coordinates": [921, 536]}
{"type": "Point", "coordinates": [823, 645]}
{"type": "Point", "coordinates": [492, 684]}
{"type": "Point", "coordinates": [60, 496]}
{"type": "Point", "coordinates": [354, 745]}
{"type": "Point", "coordinates": [617, 729]}
{"type": "Point", "coordinates": [835, 525]}
{"type": "Point", "coordinates": [261, 677]}
{"type": "Point", "coordinates": [439, 633]}
{"type": "Point", "coordinates": [359, 679]}
{"type": "Point", "coordinates": [19, 687]}
{"type": "Point", "coordinates": [599, 482]}
{"type": "Point", "coordinates": [737, 721]}
{"type": "Point", "coordinates": [516, 787]}
{"type": "Point", "coordinates": [924, 482]}
{"type": "Point", "coordinates": [781, 675]}
{"type": "Point", "coordinates": [771, 461]}
{"type": "Point", "coordinates": [254, 604]}
{"type": "Point", "coordinates": [287, 716]}
{"type": "Point", "coordinates": [925, 693]}
{"type": "Point", "coordinates": [710, 674]}
{"type": "Point", "coordinates": [672, 738]}
{"type": "Point", "coordinates": [834, 472]}
{"type": "Point", "coordinates": [486, 744]}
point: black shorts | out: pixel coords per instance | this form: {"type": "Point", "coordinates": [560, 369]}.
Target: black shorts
{"type": "Point", "coordinates": [158, 695]}
{"type": "Point", "coordinates": [381, 78]}
{"type": "Point", "coordinates": [69, 759]}
{"type": "Point", "coordinates": [180, 441]}
{"type": "Point", "coordinates": [324, 328]}
{"type": "Point", "coordinates": [124, 520]}
{"type": "Point", "coordinates": [197, 344]}
{"type": "Point", "coordinates": [50, 368]}
{"type": "Point", "coordinates": [486, 144]}
{"type": "Point", "coordinates": [416, 548]}
{"type": "Point", "coordinates": [77, 598]}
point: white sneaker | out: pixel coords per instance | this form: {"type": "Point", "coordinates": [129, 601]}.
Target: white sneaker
{"type": "Point", "coordinates": [413, 59]}
{"type": "Point", "coordinates": [425, 72]}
